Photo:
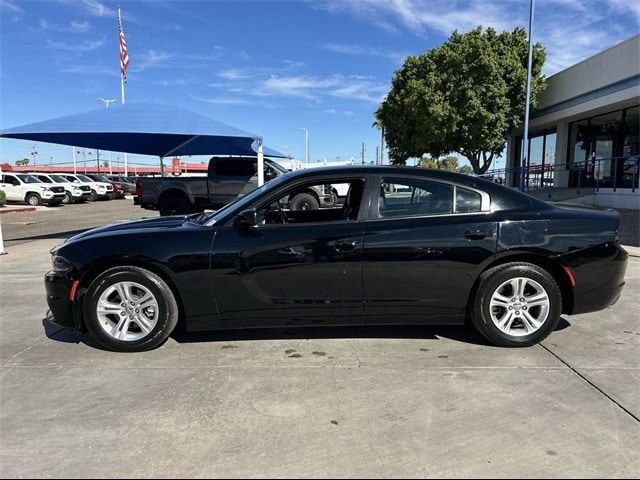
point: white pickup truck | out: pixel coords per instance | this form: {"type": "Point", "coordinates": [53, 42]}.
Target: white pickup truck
{"type": "Point", "coordinates": [74, 193]}
{"type": "Point", "coordinates": [20, 187]}
{"type": "Point", "coordinates": [99, 190]}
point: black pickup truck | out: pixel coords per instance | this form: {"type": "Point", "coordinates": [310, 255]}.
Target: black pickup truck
{"type": "Point", "coordinates": [227, 179]}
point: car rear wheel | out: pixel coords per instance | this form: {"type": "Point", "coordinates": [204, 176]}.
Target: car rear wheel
{"type": "Point", "coordinates": [516, 305]}
{"type": "Point", "coordinates": [174, 205]}
{"type": "Point", "coordinates": [130, 309]}
{"type": "Point", "coordinates": [33, 199]}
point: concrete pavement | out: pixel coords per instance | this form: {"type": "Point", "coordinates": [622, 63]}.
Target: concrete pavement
{"type": "Point", "coordinates": [354, 402]}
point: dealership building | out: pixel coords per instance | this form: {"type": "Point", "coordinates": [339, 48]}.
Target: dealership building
{"type": "Point", "coordinates": [584, 133]}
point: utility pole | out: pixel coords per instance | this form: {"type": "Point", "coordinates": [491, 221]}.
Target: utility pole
{"type": "Point", "coordinates": [382, 145]}
{"type": "Point", "coordinates": [98, 159]}
{"type": "Point", "coordinates": [362, 153]}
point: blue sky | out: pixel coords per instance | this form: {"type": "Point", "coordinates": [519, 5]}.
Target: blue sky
{"type": "Point", "coordinates": [269, 67]}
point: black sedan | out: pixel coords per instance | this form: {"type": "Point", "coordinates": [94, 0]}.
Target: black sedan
{"type": "Point", "coordinates": [407, 246]}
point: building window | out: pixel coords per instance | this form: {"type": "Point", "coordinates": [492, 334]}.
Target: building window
{"type": "Point", "coordinates": [540, 159]}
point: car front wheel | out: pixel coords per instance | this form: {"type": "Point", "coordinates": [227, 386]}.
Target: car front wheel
{"type": "Point", "coordinates": [130, 309]}
{"type": "Point", "coordinates": [33, 199]}
{"type": "Point", "coordinates": [516, 305]}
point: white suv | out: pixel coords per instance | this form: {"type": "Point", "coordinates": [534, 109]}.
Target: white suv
{"type": "Point", "coordinates": [74, 193]}
{"type": "Point", "coordinates": [99, 190]}
{"type": "Point", "coordinates": [21, 187]}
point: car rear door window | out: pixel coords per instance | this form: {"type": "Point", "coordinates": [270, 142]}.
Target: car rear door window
{"type": "Point", "coordinates": [234, 168]}
{"type": "Point", "coordinates": [467, 201]}
{"type": "Point", "coordinates": [411, 197]}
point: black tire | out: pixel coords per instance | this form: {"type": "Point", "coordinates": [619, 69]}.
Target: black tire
{"type": "Point", "coordinates": [304, 201]}
{"type": "Point", "coordinates": [167, 309]}
{"type": "Point", "coordinates": [93, 197]}
{"type": "Point", "coordinates": [174, 205]}
{"type": "Point", "coordinates": [68, 198]}
{"type": "Point", "coordinates": [490, 281]}
{"type": "Point", "coordinates": [33, 199]}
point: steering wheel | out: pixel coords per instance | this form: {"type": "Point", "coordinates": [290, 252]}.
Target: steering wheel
{"type": "Point", "coordinates": [283, 216]}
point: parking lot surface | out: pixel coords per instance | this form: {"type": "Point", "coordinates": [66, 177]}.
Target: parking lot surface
{"type": "Point", "coordinates": [67, 220]}
{"type": "Point", "coordinates": [327, 402]}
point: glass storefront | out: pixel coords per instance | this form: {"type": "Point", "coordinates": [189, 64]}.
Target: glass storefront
{"type": "Point", "coordinates": [603, 149]}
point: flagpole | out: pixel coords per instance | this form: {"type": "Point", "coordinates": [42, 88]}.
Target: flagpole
{"type": "Point", "coordinates": [122, 92]}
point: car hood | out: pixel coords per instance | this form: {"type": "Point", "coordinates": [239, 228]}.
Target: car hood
{"type": "Point", "coordinates": [145, 224]}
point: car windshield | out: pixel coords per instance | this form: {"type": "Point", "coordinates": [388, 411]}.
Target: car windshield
{"type": "Point", "coordinates": [84, 178]}
{"type": "Point", "coordinates": [59, 179]}
{"type": "Point", "coordinates": [246, 200]}
{"type": "Point", "coordinates": [277, 166]}
{"type": "Point", "coordinates": [29, 179]}
{"type": "Point", "coordinates": [101, 178]}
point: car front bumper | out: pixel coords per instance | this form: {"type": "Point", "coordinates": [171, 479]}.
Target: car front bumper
{"type": "Point", "coordinates": [66, 313]}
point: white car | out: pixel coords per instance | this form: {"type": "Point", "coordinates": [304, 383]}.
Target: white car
{"type": "Point", "coordinates": [74, 193]}
{"type": "Point", "coordinates": [21, 187]}
{"type": "Point", "coordinates": [99, 190]}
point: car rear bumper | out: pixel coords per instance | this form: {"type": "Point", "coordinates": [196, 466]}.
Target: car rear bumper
{"type": "Point", "coordinates": [65, 312]}
{"type": "Point", "coordinates": [599, 275]}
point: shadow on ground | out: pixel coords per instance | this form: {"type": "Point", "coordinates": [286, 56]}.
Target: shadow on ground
{"type": "Point", "coordinates": [459, 333]}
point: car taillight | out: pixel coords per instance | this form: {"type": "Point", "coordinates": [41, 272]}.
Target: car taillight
{"type": "Point", "coordinates": [139, 187]}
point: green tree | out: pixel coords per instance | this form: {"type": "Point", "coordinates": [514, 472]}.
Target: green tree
{"type": "Point", "coordinates": [465, 96]}
{"type": "Point", "coordinates": [466, 169]}
{"type": "Point", "coordinates": [449, 163]}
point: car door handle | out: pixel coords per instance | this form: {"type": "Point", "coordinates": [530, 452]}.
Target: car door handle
{"type": "Point", "coordinates": [475, 234]}
{"type": "Point", "coordinates": [346, 246]}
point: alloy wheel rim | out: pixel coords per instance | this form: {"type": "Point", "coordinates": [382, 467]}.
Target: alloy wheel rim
{"type": "Point", "coordinates": [127, 311]}
{"type": "Point", "coordinates": [33, 201]}
{"type": "Point", "coordinates": [519, 307]}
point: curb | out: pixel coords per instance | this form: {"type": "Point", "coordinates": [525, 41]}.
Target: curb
{"type": "Point", "coordinates": [16, 210]}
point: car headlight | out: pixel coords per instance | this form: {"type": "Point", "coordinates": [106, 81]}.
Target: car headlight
{"type": "Point", "coordinates": [60, 264]}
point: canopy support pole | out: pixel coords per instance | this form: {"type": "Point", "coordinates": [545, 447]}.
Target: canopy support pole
{"type": "Point", "coordinates": [260, 164]}
{"type": "Point", "coordinates": [161, 166]}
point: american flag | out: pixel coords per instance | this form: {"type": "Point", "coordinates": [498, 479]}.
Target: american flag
{"type": "Point", "coordinates": [124, 53]}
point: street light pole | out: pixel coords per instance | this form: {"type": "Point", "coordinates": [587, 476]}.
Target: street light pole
{"type": "Point", "coordinates": [306, 145]}
{"type": "Point", "coordinates": [525, 136]}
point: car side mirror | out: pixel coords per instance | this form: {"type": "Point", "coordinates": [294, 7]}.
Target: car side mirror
{"type": "Point", "coordinates": [248, 218]}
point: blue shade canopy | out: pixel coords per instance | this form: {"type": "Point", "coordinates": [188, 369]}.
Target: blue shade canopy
{"type": "Point", "coordinates": [144, 128]}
